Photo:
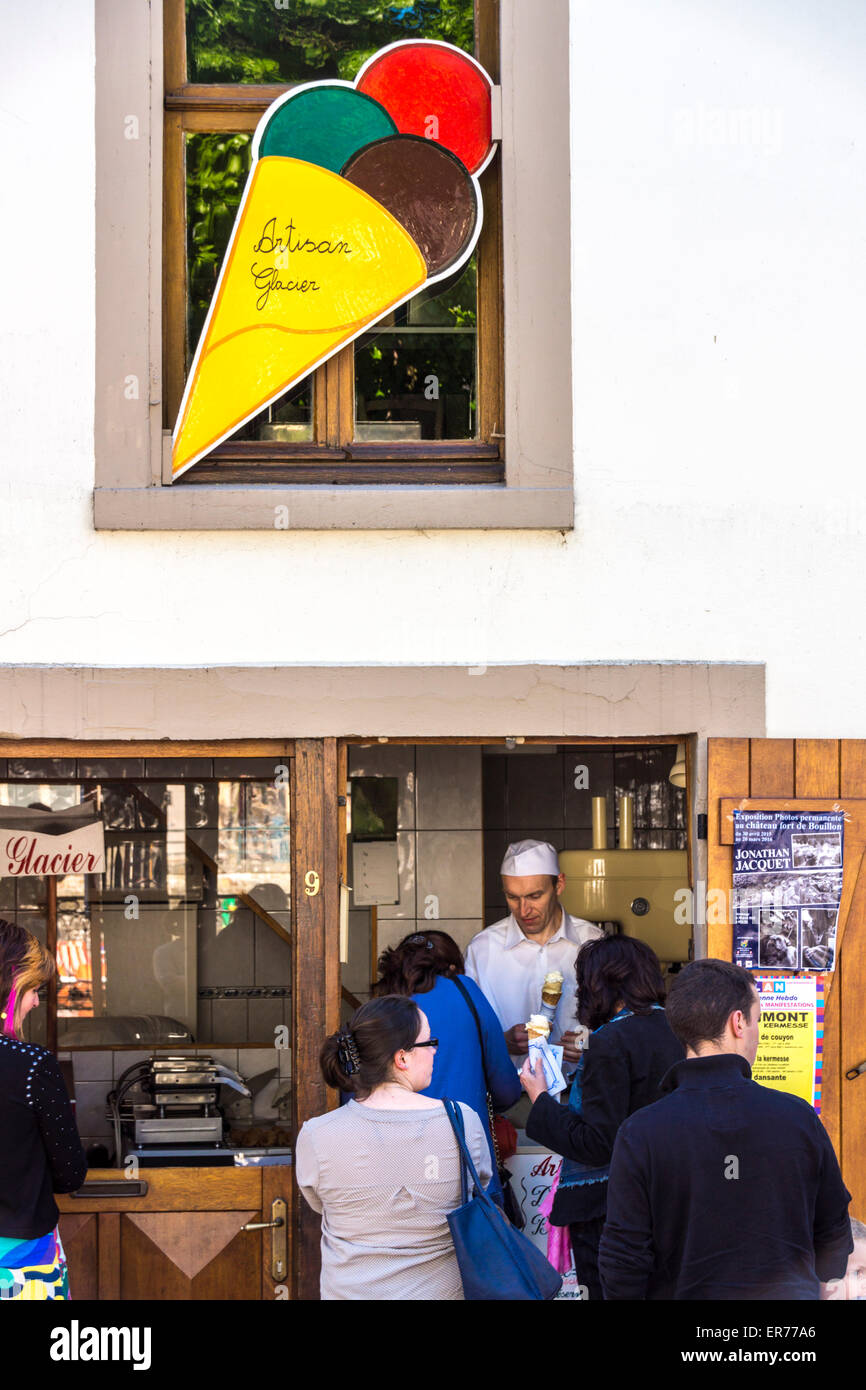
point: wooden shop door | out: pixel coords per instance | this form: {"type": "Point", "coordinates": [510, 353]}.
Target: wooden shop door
{"type": "Point", "coordinates": [180, 1234]}
{"type": "Point", "coordinates": [768, 774]}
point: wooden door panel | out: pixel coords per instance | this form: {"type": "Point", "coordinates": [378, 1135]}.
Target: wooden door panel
{"type": "Point", "coordinates": [772, 766]}
{"type": "Point", "coordinates": [852, 767]}
{"type": "Point", "coordinates": [316, 968]}
{"type": "Point", "coordinates": [190, 1256]}
{"type": "Point", "coordinates": [182, 1239]}
{"type": "Point", "coordinates": [816, 767]}
{"type": "Point", "coordinates": [827, 774]}
{"type": "Point", "coordinates": [79, 1235]}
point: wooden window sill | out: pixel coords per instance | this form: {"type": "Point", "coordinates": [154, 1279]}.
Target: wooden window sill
{"type": "Point", "coordinates": [264, 461]}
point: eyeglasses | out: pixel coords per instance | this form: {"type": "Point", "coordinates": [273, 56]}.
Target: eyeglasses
{"type": "Point", "coordinates": [431, 1042]}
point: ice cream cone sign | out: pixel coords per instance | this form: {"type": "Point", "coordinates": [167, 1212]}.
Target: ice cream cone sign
{"type": "Point", "coordinates": [360, 194]}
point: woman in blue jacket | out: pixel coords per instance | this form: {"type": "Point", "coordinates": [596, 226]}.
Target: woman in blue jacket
{"type": "Point", "coordinates": [472, 1057]}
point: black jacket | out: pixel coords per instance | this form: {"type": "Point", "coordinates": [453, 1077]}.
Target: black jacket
{"type": "Point", "coordinates": [40, 1151]}
{"type": "Point", "coordinates": [723, 1190]}
{"type": "Point", "coordinates": [622, 1071]}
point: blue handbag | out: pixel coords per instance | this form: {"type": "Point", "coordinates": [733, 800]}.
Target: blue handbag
{"type": "Point", "coordinates": [497, 1262]}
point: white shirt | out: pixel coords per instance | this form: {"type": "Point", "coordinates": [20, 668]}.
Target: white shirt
{"type": "Point", "coordinates": [510, 969]}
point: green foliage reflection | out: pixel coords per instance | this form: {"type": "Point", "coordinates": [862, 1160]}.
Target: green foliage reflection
{"type": "Point", "coordinates": [216, 171]}
{"type": "Point", "coordinates": [302, 40]}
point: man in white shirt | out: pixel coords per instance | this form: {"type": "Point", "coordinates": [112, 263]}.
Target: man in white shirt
{"type": "Point", "coordinates": [510, 959]}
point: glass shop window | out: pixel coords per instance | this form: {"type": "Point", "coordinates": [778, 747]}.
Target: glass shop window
{"type": "Point", "coordinates": [186, 937]}
{"type": "Point", "coordinates": [422, 388]}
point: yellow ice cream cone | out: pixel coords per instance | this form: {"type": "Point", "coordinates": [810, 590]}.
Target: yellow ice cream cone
{"type": "Point", "coordinates": [313, 260]}
{"type": "Point", "coordinates": [537, 1028]}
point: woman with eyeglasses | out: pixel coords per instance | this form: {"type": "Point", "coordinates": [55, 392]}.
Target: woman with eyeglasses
{"type": "Point", "coordinates": [384, 1169]}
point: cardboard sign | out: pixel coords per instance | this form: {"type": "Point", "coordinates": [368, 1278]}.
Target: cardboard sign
{"type": "Point", "coordinates": [38, 843]}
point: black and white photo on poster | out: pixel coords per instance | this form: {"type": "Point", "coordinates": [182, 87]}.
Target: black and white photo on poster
{"type": "Point", "coordinates": [787, 888]}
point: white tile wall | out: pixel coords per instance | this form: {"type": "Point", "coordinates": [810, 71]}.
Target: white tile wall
{"type": "Point", "coordinates": [405, 907]}
{"type": "Point", "coordinates": [450, 868]}
{"type": "Point", "coordinates": [381, 760]}
{"type": "Point", "coordinates": [448, 793]}
{"type": "Point", "coordinates": [90, 1107]}
{"type": "Point", "coordinates": [461, 930]}
{"type": "Point", "coordinates": [92, 1066]}
{"type": "Point", "coordinates": [439, 847]}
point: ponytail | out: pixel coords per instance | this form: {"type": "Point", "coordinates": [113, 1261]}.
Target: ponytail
{"type": "Point", "coordinates": [360, 1056]}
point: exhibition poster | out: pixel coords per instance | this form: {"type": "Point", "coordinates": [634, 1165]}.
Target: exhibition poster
{"type": "Point", "coordinates": [787, 888]}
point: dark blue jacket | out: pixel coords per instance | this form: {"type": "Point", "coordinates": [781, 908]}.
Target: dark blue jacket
{"type": "Point", "coordinates": [723, 1189]}
{"type": "Point", "coordinates": [457, 1070]}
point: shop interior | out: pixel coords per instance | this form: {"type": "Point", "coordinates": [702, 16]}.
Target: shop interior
{"type": "Point", "coordinates": [183, 947]}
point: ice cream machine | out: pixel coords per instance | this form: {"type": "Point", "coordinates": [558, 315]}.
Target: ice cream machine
{"type": "Point", "coordinates": [635, 887]}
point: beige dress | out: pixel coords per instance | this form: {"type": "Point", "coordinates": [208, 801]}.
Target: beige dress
{"type": "Point", "coordinates": [385, 1181]}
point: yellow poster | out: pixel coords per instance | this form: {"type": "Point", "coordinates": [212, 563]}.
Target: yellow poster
{"type": "Point", "coordinates": [788, 1046]}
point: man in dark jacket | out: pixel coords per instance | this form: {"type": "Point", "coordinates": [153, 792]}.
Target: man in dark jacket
{"type": "Point", "coordinates": [723, 1189]}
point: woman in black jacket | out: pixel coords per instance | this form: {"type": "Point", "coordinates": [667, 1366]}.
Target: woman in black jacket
{"type": "Point", "coordinates": [40, 1151]}
{"type": "Point", "coordinates": [620, 993]}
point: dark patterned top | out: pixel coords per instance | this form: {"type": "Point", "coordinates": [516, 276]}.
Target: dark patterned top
{"type": "Point", "coordinates": [40, 1151]}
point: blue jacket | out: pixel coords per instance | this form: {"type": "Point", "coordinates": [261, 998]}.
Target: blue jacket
{"type": "Point", "coordinates": [723, 1189]}
{"type": "Point", "coordinates": [457, 1070]}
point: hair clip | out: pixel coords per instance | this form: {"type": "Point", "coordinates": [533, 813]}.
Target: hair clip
{"type": "Point", "coordinates": [419, 940]}
{"type": "Point", "coordinates": [347, 1051]}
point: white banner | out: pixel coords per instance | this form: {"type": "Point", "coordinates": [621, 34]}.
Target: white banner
{"type": "Point", "coordinates": [34, 843]}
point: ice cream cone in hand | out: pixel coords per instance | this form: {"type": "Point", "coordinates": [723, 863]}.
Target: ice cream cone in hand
{"type": "Point", "coordinates": [537, 1028]}
{"type": "Point", "coordinates": [551, 991]}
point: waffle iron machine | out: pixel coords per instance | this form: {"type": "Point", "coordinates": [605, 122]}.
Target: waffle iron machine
{"type": "Point", "coordinates": [169, 1110]}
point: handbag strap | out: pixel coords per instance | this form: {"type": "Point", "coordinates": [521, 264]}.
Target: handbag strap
{"type": "Point", "coordinates": [474, 1012]}
{"type": "Point", "coordinates": [490, 1116]}
{"type": "Point", "coordinates": [454, 1115]}
{"type": "Point", "coordinates": [456, 1120]}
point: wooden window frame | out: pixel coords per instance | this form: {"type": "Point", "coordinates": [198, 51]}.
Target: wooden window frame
{"type": "Point", "coordinates": [376, 488]}
{"type": "Point", "coordinates": [334, 455]}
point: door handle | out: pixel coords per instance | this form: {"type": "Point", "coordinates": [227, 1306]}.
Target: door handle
{"type": "Point", "coordinates": [279, 1237]}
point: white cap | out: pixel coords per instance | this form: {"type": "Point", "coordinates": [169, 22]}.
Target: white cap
{"type": "Point", "coordinates": [529, 857]}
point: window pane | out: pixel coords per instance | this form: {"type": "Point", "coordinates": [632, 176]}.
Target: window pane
{"type": "Point", "coordinates": [216, 172]}
{"type": "Point", "coordinates": [416, 374]}
{"type": "Point", "coordinates": [302, 40]}
{"type": "Point", "coordinates": [186, 937]}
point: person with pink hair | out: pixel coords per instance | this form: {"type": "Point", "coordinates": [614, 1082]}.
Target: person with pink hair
{"type": "Point", "coordinates": [40, 1151]}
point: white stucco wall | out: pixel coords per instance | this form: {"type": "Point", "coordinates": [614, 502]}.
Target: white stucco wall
{"type": "Point", "coordinates": [719, 220]}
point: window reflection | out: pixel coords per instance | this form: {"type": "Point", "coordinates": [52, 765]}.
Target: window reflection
{"type": "Point", "coordinates": [416, 372]}
{"type": "Point", "coordinates": [186, 936]}
{"type": "Point", "coordinates": [306, 40]}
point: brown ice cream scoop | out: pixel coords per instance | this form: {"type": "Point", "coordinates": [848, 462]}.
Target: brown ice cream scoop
{"type": "Point", "coordinates": [425, 188]}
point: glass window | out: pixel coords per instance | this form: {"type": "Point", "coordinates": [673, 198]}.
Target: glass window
{"type": "Point", "coordinates": [306, 40]}
{"type": "Point", "coordinates": [417, 379]}
{"type": "Point", "coordinates": [416, 373]}
{"type": "Point", "coordinates": [186, 936]}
